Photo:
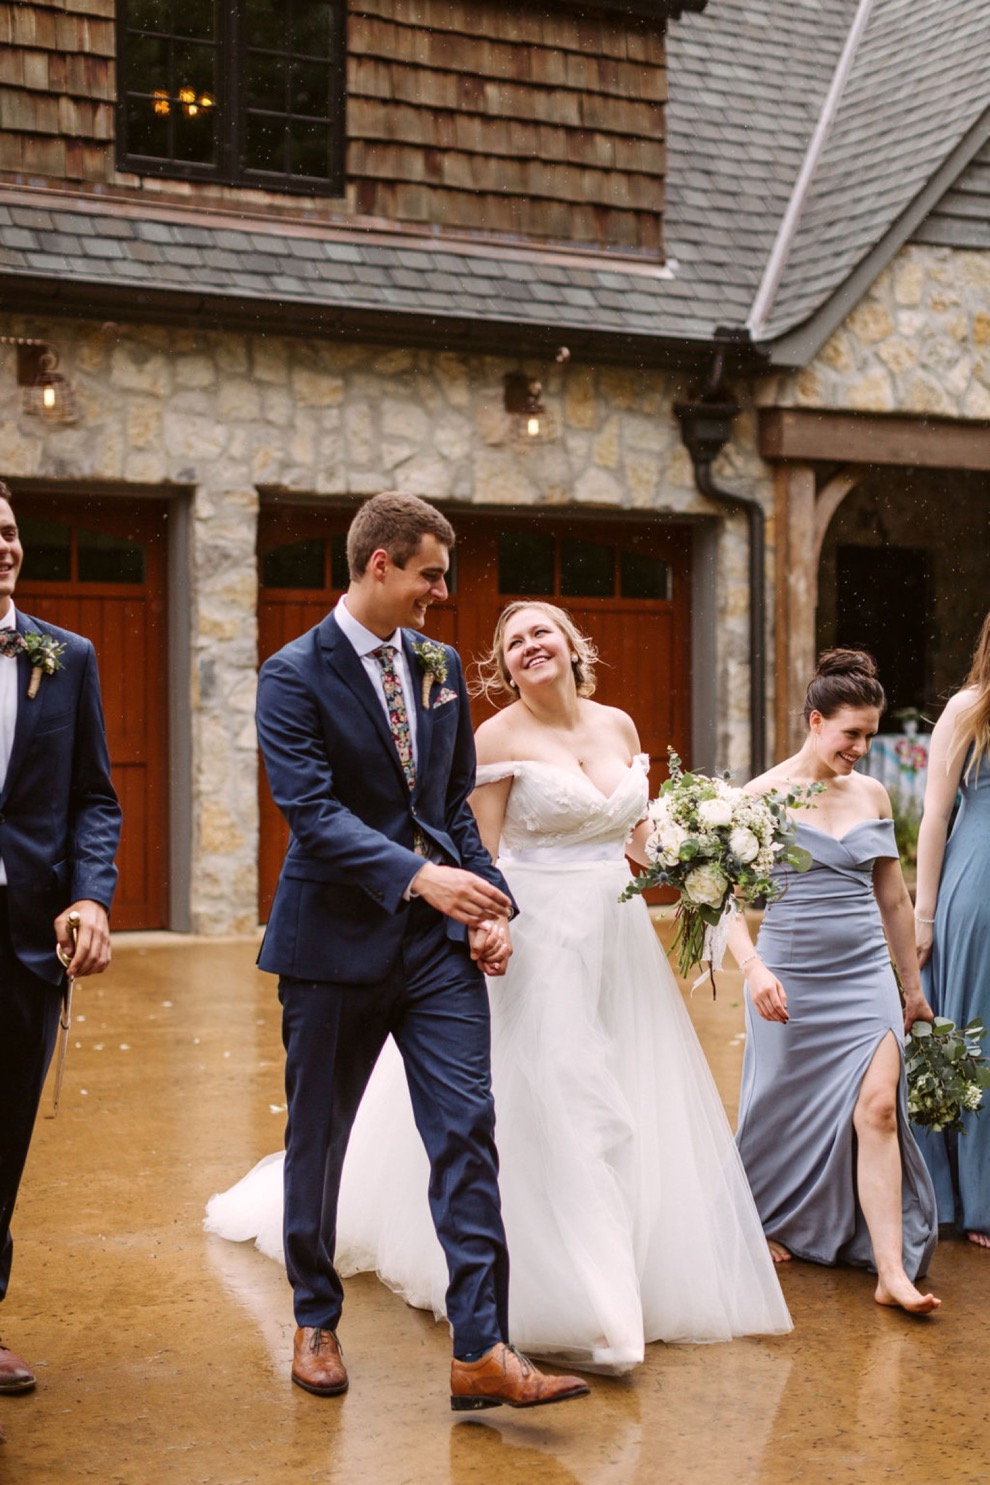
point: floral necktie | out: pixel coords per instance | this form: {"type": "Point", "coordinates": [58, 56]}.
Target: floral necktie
{"type": "Point", "coordinates": [398, 721]}
{"type": "Point", "coordinates": [398, 717]}
{"type": "Point", "coordinates": [12, 643]}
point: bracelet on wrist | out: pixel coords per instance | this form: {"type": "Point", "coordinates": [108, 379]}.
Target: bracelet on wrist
{"type": "Point", "coordinates": [748, 960]}
{"type": "Point", "coordinates": [928, 922]}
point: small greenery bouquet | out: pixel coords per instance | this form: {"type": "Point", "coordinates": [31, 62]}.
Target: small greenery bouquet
{"type": "Point", "coordinates": [946, 1073]}
{"type": "Point", "coordinates": [717, 846]}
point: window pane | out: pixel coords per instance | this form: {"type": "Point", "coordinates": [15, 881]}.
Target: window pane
{"type": "Point", "coordinates": [587, 569]}
{"type": "Point", "coordinates": [266, 81]}
{"type": "Point", "coordinates": [195, 137]}
{"type": "Point", "coordinates": [149, 15]}
{"type": "Point", "coordinates": [525, 563]}
{"type": "Point", "coordinates": [147, 131]}
{"type": "Point", "coordinates": [310, 92]}
{"type": "Point", "coordinates": [47, 550]}
{"type": "Point", "coordinates": [265, 143]}
{"type": "Point", "coordinates": [645, 577]}
{"type": "Point", "coordinates": [265, 22]}
{"type": "Point", "coordinates": [195, 70]}
{"type": "Point", "coordinates": [196, 18]}
{"type": "Point", "coordinates": [311, 28]}
{"type": "Point", "coordinates": [309, 149]}
{"type": "Point", "coordinates": [297, 564]}
{"type": "Point", "coordinates": [339, 575]}
{"type": "Point", "coordinates": [109, 559]}
{"type": "Point", "coordinates": [148, 63]}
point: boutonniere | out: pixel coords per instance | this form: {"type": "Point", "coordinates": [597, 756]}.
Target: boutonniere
{"type": "Point", "coordinates": [45, 654]}
{"type": "Point", "coordinates": [433, 658]}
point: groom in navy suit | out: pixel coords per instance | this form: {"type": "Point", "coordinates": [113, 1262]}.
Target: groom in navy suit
{"type": "Point", "coordinates": [59, 828]}
{"type": "Point", "coordinates": [387, 911]}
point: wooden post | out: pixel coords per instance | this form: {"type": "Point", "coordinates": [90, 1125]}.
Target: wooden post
{"type": "Point", "coordinates": [796, 601]}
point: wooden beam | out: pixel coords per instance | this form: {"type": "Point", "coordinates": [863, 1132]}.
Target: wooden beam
{"type": "Point", "coordinates": [863, 438]}
{"type": "Point", "coordinates": [796, 601]}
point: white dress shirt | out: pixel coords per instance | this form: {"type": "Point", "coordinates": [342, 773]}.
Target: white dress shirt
{"type": "Point", "coordinates": [8, 711]}
{"type": "Point", "coordinates": [365, 643]}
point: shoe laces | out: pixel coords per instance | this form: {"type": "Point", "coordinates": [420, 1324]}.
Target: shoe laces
{"type": "Point", "coordinates": [319, 1338]}
{"type": "Point", "coordinates": [524, 1361]}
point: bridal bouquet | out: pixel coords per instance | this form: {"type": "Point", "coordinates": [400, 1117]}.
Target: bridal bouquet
{"type": "Point", "coordinates": [717, 846]}
{"type": "Point", "coordinates": [946, 1073]}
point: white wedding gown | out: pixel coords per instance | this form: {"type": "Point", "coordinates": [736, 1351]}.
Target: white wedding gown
{"type": "Point", "coordinates": [626, 1207]}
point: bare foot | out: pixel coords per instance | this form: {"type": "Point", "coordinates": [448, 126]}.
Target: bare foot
{"type": "Point", "coordinates": [900, 1293]}
{"type": "Point", "coordinates": [981, 1239]}
{"type": "Point", "coordinates": [778, 1252]}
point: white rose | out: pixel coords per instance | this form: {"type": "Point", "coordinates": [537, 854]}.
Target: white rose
{"type": "Point", "coordinates": [671, 838]}
{"type": "Point", "coordinates": [744, 844]}
{"type": "Point", "coordinates": [706, 884]}
{"type": "Point", "coordinates": [715, 812]}
{"type": "Point", "coordinates": [658, 812]}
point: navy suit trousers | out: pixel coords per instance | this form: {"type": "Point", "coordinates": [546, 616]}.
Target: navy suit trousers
{"type": "Point", "coordinates": [435, 1005]}
{"type": "Point", "coordinates": [29, 1012]}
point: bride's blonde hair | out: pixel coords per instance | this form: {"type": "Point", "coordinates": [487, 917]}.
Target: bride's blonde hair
{"type": "Point", "coordinates": [972, 727]}
{"type": "Point", "coordinates": [492, 679]}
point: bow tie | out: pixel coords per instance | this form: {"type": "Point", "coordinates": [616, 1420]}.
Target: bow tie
{"type": "Point", "coordinates": [11, 643]}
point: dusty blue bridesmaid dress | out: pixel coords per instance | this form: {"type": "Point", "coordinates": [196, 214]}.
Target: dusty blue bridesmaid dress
{"type": "Point", "coordinates": [824, 941]}
{"type": "Point", "coordinates": [957, 983]}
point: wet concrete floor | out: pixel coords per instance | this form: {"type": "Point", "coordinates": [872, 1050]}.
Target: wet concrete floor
{"type": "Point", "coordinates": [163, 1354]}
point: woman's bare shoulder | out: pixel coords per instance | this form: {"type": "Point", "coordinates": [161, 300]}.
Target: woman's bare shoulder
{"type": "Point", "coordinates": [779, 778]}
{"type": "Point", "coordinates": [493, 740]}
{"type": "Point", "coordinates": [613, 717]}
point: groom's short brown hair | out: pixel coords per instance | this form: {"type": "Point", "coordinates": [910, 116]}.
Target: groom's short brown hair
{"type": "Point", "coordinates": [396, 523]}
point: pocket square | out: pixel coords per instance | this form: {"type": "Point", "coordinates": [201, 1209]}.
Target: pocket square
{"type": "Point", "coordinates": [445, 695]}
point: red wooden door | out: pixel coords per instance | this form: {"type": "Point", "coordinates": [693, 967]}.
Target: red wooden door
{"type": "Point", "coordinates": [98, 567]}
{"type": "Point", "coordinates": [625, 584]}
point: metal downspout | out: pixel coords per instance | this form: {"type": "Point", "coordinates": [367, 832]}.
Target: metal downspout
{"type": "Point", "coordinates": [706, 426]}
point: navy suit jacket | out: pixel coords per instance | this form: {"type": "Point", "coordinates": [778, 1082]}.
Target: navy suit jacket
{"type": "Point", "coordinates": [59, 816]}
{"type": "Point", "coordinates": [335, 774]}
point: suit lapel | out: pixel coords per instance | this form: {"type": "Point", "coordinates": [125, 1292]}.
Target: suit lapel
{"type": "Point", "coordinates": [346, 664]}
{"type": "Point", "coordinates": [424, 714]}
{"type": "Point", "coordinates": [28, 712]}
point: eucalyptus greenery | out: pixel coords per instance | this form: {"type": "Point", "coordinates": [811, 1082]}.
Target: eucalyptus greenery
{"type": "Point", "coordinates": [946, 1073]}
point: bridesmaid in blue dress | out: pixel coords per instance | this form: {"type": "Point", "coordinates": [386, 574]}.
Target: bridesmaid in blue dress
{"type": "Point", "coordinates": [952, 919]}
{"type": "Point", "coordinates": [823, 1128]}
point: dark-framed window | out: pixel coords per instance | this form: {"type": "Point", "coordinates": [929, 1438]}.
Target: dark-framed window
{"type": "Point", "coordinates": [248, 92]}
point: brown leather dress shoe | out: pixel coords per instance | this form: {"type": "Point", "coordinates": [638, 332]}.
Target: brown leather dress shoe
{"type": "Point", "coordinates": [317, 1362]}
{"type": "Point", "coordinates": [505, 1375]}
{"type": "Point", "coordinates": [15, 1376]}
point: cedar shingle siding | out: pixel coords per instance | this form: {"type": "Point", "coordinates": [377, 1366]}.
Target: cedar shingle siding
{"type": "Point", "coordinates": [492, 118]}
{"type": "Point", "coordinates": [478, 116]}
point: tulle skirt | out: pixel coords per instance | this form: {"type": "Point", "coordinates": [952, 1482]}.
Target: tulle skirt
{"type": "Point", "coordinates": [626, 1208]}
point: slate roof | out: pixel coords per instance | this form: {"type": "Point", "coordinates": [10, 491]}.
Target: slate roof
{"type": "Point", "coordinates": [201, 263]}
{"type": "Point", "coordinates": [962, 216]}
{"type": "Point", "coordinates": [748, 82]}
{"type": "Point", "coordinates": [920, 81]}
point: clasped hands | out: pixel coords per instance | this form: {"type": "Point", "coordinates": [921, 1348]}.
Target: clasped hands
{"type": "Point", "coordinates": [469, 899]}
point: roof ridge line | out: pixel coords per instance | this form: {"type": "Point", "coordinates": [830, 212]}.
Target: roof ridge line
{"type": "Point", "coordinates": [759, 314]}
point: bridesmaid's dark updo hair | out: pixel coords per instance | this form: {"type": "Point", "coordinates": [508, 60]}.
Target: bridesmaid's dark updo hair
{"type": "Point", "coordinates": [844, 678]}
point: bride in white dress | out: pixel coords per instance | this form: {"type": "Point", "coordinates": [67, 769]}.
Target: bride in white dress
{"type": "Point", "coordinates": [627, 1211]}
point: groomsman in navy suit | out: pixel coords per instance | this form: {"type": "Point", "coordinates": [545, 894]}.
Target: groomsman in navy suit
{"type": "Point", "coordinates": [59, 829]}
{"type": "Point", "coordinates": [387, 911]}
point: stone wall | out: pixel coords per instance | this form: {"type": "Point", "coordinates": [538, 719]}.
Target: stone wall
{"type": "Point", "coordinates": [918, 342]}
{"type": "Point", "coordinates": [229, 416]}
